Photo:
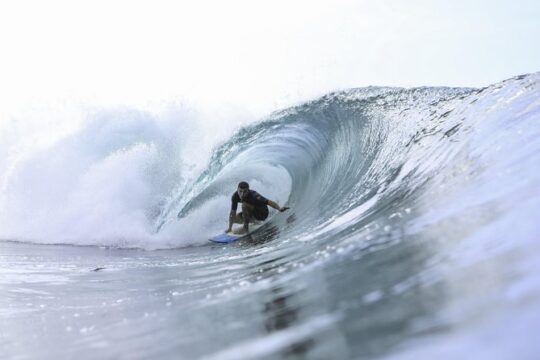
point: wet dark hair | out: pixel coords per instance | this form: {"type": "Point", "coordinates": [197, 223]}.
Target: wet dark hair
{"type": "Point", "coordinates": [243, 185]}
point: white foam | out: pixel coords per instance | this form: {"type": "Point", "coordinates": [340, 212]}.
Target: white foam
{"type": "Point", "coordinates": [101, 178]}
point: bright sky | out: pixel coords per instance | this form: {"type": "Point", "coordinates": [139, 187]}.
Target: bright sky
{"type": "Point", "coordinates": [256, 55]}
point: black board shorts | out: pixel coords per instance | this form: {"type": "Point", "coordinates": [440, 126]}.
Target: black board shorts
{"type": "Point", "coordinates": [259, 213]}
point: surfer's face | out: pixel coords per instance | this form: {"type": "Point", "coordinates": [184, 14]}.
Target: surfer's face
{"type": "Point", "coordinates": [242, 193]}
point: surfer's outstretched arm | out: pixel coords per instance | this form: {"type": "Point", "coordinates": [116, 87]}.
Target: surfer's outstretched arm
{"type": "Point", "coordinates": [276, 206]}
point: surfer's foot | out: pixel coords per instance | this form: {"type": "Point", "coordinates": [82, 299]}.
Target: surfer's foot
{"type": "Point", "coordinates": [240, 231]}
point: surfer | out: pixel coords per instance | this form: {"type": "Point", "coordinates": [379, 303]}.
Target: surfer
{"type": "Point", "coordinates": [254, 207]}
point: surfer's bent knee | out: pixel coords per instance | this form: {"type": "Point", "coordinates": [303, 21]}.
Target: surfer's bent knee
{"type": "Point", "coordinates": [247, 211]}
{"type": "Point", "coordinates": [247, 207]}
{"type": "Point", "coordinates": [238, 219]}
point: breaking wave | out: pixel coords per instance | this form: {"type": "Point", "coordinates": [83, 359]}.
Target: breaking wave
{"type": "Point", "coordinates": [350, 165]}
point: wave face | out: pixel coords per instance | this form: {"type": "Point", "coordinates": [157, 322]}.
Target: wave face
{"type": "Point", "coordinates": [362, 158]}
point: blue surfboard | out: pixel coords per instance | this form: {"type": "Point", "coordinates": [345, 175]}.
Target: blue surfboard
{"type": "Point", "coordinates": [231, 237]}
{"type": "Point", "coordinates": [224, 238]}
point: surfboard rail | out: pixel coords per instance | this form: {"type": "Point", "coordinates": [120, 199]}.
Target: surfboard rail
{"type": "Point", "coordinates": [224, 238]}
{"type": "Point", "coordinates": [230, 237]}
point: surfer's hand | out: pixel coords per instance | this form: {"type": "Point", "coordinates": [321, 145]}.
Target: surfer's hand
{"type": "Point", "coordinates": [283, 209]}
{"type": "Point", "coordinates": [228, 231]}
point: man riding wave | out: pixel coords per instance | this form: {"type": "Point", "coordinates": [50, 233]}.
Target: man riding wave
{"type": "Point", "coordinates": [254, 207]}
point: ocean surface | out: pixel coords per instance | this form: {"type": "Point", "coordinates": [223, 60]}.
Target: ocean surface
{"type": "Point", "coordinates": [413, 231]}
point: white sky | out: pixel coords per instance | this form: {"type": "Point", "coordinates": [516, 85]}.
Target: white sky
{"type": "Point", "coordinates": [256, 55]}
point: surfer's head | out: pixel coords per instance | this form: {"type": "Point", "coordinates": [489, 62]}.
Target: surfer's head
{"type": "Point", "coordinates": [243, 189]}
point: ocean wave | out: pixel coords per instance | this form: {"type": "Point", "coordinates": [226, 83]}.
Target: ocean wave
{"type": "Point", "coordinates": [349, 161]}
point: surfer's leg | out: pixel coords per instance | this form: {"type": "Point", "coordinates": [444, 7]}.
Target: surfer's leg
{"type": "Point", "coordinates": [247, 214]}
{"type": "Point", "coordinates": [238, 218]}
{"type": "Point", "coordinates": [260, 214]}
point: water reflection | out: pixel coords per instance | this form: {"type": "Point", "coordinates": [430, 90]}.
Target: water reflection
{"type": "Point", "coordinates": [387, 294]}
{"type": "Point", "coordinates": [280, 314]}
{"type": "Point", "coordinates": [282, 303]}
